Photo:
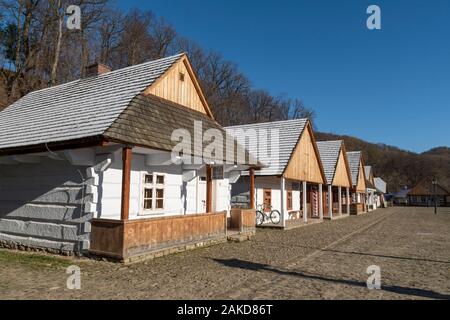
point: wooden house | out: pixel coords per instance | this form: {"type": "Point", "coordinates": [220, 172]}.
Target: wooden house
{"type": "Point", "coordinates": [338, 178]}
{"type": "Point", "coordinates": [381, 187]}
{"type": "Point", "coordinates": [293, 178]}
{"type": "Point", "coordinates": [426, 193]}
{"type": "Point", "coordinates": [371, 190]}
{"type": "Point", "coordinates": [88, 166]}
{"type": "Point", "coordinates": [356, 163]}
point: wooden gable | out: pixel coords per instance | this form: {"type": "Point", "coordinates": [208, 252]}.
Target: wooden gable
{"type": "Point", "coordinates": [361, 185]}
{"type": "Point", "coordinates": [180, 85]}
{"type": "Point", "coordinates": [370, 177]}
{"type": "Point", "coordinates": [342, 175]}
{"type": "Point", "coordinates": [305, 164]}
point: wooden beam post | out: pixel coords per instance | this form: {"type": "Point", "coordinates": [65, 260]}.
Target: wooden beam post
{"type": "Point", "coordinates": [330, 201]}
{"type": "Point", "coordinates": [209, 188]}
{"type": "Point", "coordinates": [252, 188]}
{"type": "Point", "coordinates": [305, 203]}
{"type": "Point", "coordinates": [348, 200]}
{"type": "Point", "coordinates": [283, 201]}
{"type": "Point", "coordinates": [340, 200]}
{"type": "Point", "coordinates": [126, 174]}
{"type": "Point", "coordinates": [320, 201]}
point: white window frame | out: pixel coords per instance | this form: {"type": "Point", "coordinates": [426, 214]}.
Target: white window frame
{"type": "Point", "coordinates": [154, 186]}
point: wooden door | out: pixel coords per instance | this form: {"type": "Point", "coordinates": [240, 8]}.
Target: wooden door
{"type": "Point", "coordinates": [267, 199]}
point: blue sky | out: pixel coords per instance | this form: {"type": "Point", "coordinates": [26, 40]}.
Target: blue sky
{"type": "Point", "coordinates": [390, 86]}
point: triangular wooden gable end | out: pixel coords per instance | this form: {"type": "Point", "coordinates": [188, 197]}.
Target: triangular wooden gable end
{"type": "Point", "coordinates": [361, 185]}
{"type": "Point", "coordinates": [180, 85]}
{"type": "Point", "coordinates": [304, 163]}
{"type": "Point", "coordinates": [342, 176]}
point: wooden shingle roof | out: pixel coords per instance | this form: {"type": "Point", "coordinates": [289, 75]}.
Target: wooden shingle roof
{"type": "Point", "coordinates": [329, 154]}
{"type": "Point", "coordinates": [354, 158]}
{"type": "Point", "coordinates": [84, 108]}
{"type": "Point", "coordinates": [149, 121]}
{"type": "Point", "coordinates": [289, 132]}
{"type": "Point", "coordinates": [426, 188]}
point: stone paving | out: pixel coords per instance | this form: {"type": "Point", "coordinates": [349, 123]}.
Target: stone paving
{"type": "Point", "coordinates": [321, 261]}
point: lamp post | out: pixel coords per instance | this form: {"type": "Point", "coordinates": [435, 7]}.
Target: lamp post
{"type": "Point", "coordinates": [434, 182]}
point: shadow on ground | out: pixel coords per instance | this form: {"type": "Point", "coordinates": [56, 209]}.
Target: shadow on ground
{"type": "Point", "coordinates": [359, 253]}
{"type": "Point", "coordinates": [242, 264]}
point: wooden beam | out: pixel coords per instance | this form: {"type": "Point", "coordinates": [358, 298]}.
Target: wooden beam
{"type": "Point", "coordinates": [208, 188]}
{"type": "Point", "coordinates": [252, 188]}
{"type": "Point", "coordinates": [97, 141]}
{"type": "Point", "coordinates": [305, 202]}
{"type": "Point", "coordinates": [126, 174]}
{"type": "Point", "coordinates": [321, 201]}
{"type": "Point", "coordinates": [330, 201]}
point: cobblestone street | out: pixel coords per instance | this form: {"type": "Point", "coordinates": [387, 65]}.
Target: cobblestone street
{"type": "Point", "coordinates": [322, 261]}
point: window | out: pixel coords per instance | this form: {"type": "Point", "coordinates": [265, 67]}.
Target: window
{"type": "Point", "coordinates": [217, 173]}
{"type": "Point", "coordinates": [153, 192]}
{"type": "Point", "coordinates": [181, 76]}
{"type": "Point", "coordinates": [289, 200]}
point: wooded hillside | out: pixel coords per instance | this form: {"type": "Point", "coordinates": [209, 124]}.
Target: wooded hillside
{"type": "Point", "coordinates": [37, 50]}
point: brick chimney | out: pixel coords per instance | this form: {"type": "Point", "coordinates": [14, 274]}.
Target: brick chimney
{"type": "Point", "coordinates": [96, 69]}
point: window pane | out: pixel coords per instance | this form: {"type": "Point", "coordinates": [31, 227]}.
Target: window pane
{"type": "Point", "coordinates": [217, 173]}
{"type": "Point", "coordinates": [159, 204]}
{"type": "Point", "coordinates": [160, 179]}
{"type": "Point", "coordinates": [149, 178]}
{"type": "Point", "coordinates": [148, 204]}
{"type": "Point", "coordinates": [159, 193]}
{"type": "Point", "coordinates": [148, 193]}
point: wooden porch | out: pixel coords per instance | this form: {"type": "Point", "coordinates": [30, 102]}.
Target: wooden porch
{"type": "Point", "coordinates": [136, 240]}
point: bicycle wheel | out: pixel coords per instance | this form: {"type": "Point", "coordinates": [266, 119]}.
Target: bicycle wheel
{"type": "Point", "coordinates": [275, 216]}
{"type": "Point", "coordinates": [259, 218]}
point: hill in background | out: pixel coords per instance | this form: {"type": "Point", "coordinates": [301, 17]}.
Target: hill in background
{"type": "Point", "coordinates": [399, 168]}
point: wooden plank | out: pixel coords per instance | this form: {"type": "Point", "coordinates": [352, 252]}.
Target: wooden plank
{"type": "Point", "coordinates": [126, 174]}
{"type": "Point", "coordinates": [252, 188]}
{"type": "Point", "coordinates": [180, 85]}
{"type": "Point", "coordinates": [342, 176]}
{"type": "Point", "coordinates": [304, 164]}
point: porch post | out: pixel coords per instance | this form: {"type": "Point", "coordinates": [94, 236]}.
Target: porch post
{"type": "Point", "coordinates": [305, 203]}
{"type": "Point", "coordinates": [252, 188]}
{"type": "Point", "coordinates": [126, 173]}
{"type": "Point", "coordinates": [320, 202]}
{"type": "Point", "coordinates": [348, 200]}
{"type": "Point", "coordinates": [282, 201]}
{"type": "Point", "coordinates": [330, 201]}
{"type": "Point", "coordinates": [208, 188]}
{"type": "Point", "coordinates": [340, 200]}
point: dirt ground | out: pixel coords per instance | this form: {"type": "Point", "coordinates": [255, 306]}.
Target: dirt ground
{"type": "Point", "coordinates": [411, 246]}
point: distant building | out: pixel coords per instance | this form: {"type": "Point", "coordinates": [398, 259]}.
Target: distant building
{"type": "Point", "coordinates": [381, 187]}
{"type": "Point", "coordinates": [424, 193]}
{"type": "Point", "coordinates": [401, 198]}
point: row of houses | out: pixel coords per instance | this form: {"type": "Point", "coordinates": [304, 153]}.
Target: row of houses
{"type": "Point", "coordinates": [120, 164]}
{"type": "Point", "coordinates": [305, 180]}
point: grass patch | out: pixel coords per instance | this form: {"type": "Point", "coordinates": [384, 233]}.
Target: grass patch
{"type": "Point", "coordinates": [33, 260]}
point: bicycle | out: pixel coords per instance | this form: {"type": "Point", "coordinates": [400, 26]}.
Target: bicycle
{"type": "Point", "coordinates": [262, 216]}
